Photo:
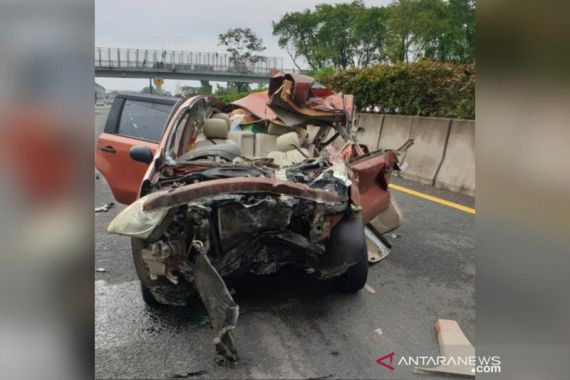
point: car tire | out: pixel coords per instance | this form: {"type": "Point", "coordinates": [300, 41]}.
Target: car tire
{"type": "Point", "coordinates": [137, 245]}
{"type": "Point", "coordinates": [159, 291]}
{"type": "Point", "coordinates": [356, 276]}
{"type": "Point", "coordinates": [148, 297]}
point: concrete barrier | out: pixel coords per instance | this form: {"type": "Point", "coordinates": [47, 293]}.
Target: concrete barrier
{"type": "Point", "coordinates": [395, 131]}
{"type": "Point", "coordinates": [313, 130]}
{"type": "Point", "coordinates": [423, 160]}
{"type": "Point", "coordinates": [457, 173]}
{"type": "Point", "coordinates": [443, 153]}
{"type": "Point", "coordinates": [372, 124]}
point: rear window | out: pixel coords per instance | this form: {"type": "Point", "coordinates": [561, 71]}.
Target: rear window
{"type": "Point", "coordinates": [143, 120]}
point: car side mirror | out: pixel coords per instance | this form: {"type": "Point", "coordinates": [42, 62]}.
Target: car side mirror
{"type": "Point", "coordinates": [141, 153]}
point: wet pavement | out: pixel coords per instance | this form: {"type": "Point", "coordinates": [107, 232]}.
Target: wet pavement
{"type": "Point", "coordinates": [292, 325]}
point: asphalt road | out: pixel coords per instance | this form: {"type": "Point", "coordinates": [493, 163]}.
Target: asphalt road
{"type": "Point", "coordinates": [291, 325]}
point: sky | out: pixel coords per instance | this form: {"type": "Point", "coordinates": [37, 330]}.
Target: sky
{"type": "Point", "coordinates": [191, 25]}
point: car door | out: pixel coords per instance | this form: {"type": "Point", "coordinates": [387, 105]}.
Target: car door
{"type": "Point", "coordinates": [132, 121]}
{"type": "Point", "coordinates": [373, 171]}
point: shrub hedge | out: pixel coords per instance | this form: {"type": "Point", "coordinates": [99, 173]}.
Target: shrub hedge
{"type": "Point", "coordinates": [232, 96]}
{"type": "Point", "coordinates": [229, 97]}
{"type": "Point", "coordinates": [424, 88]}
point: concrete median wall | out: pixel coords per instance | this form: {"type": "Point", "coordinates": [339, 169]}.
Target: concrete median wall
{"type": "Point", "coordinates": [395, 131]}
{"type": "Point", "coordinates": [457, 173]}
{"type": "Point", "coordinates": [443, 153]}
{"type": "Point", "coordinates": [423, 160]}
{"type": "Point", "coordinates": [372, 124]}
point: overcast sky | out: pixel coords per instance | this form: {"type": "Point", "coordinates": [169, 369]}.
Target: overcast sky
{"type": "Point", "coordinates": [191, 25]}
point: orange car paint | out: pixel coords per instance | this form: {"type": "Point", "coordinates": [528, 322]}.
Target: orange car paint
{"type": "Point", "coordinates": [126, 181]}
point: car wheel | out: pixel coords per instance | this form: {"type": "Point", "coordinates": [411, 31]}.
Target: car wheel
{"type": "Point", "coordinates": [137, 246]}
{"type": "Point", "coordinates": [355, 277]}
{"type": "Point", "coordinates": [159, 291]}
{"type": "Point", "coordinates": [148, 297]}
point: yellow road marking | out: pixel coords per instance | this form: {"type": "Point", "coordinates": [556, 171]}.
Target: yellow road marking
{"type": "Point", "coordinates": [454, 205]}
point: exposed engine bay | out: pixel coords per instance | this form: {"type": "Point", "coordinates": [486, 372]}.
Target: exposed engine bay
{"type": "Point", "coordinates": [214, 239]}
{"type": "Point", "coordinates": [231, 224]}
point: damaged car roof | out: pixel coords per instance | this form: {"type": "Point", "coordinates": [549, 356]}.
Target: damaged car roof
{"type": "Point", "coordinates": [294, 99]}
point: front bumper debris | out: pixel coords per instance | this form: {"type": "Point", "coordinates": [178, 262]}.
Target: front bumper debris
{"type": "Point", "coordinates": [222, 309]}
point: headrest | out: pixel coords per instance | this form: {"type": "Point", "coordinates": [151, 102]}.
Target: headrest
{"type": "Point", "coordinates": [215, 129]}
{"type": "Point", "coordinates": [277, 130]}
{"type": "Point", "coordinates": [284, 142]}
{"type": "Point", "coordinates": [223, 116]}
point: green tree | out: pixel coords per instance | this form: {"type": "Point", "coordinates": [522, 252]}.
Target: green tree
{"type": "Point", "coordinates": [434, 29]}
{"type": "Point", "coordinates": [370, 33]}
{"type": "Point", "coordinates": [336, 38]}
{"type": "Point", "coordinates": [353, 35]}
{"type": "Point", "coordinates": [243, 45]}
{"type": "Point", "coordinates": [430, 24]}
{"type": "Point", "coordinates": [297, 34]}
{"type": "Point", "coordinates": [342, 35]}
{"type": "Point", "coordinates": [459, 40]}
{"type": "Point", "coordinates": [400, 24]}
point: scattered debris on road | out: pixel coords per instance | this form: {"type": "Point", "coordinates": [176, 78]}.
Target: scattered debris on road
{"type": "Point", "coordinates": [377, 249]}
{"type": "Point", "coordinates": [453, 344]}
{"type": "Point", "coordinates": [321, 377]}
{"type": "Point", "coordinates": [370, 289]}
{"type": "Point", "coordinates": [188, 374]}
{"type": "Point", "coordinates": [100, 270]}
{"type": "Point", "coordinates": [106, 207]}
{"type": "Point", "coordinates": [395, 236]}
{"type": "Point", "coordinates": [378, 331]}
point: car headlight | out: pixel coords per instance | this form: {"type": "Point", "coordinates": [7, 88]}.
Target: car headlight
{"type": "Point", "coordinates": [135, 222]}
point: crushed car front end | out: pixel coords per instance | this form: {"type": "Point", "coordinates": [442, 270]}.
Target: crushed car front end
{"type": "Point", "coordinates": [207, 215]}
{"type": "Point", "coordinates": [248, 220]}
{"type": "Point", "coordinates": [216, 224]}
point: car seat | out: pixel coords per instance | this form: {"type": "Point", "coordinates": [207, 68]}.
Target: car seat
{"type": "Point", "coordinates": [215, 131]}
{"type": "Point", "coordinates": [288, 150]}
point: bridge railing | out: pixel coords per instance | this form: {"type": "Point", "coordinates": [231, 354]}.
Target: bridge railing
{"type": "Point", "coordinates": [147, 59]}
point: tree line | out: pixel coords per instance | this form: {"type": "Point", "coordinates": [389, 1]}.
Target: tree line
{"type": "Point", "coordinates": [352, 35]}
{"type": "Point", "coordinates": [411, 57]}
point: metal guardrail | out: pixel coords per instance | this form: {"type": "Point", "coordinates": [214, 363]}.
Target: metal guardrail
{"type": "Point", "coordinates": [147, 59]}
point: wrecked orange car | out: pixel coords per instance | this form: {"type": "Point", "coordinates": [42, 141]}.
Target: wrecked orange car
{"type": "Point", "coordinates": [207, 214]}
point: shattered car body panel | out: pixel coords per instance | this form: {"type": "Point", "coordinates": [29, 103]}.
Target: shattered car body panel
{"type": "Point", "coordinates": [309, 96]}
{"type": "Point", "coordinates": [294, 98]}
{"type": "Point", "coordinates": [215, 187]}
{"type": "Point", "coordinates": [202, 222]}
{"type": "Point", "coordinates": [256, 103]}
{"type": "Point", "coordinates": [373, 175]}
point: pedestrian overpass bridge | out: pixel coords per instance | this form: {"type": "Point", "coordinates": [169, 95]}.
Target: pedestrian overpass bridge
{"type": "Point", "coordinates": [183, 65]}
